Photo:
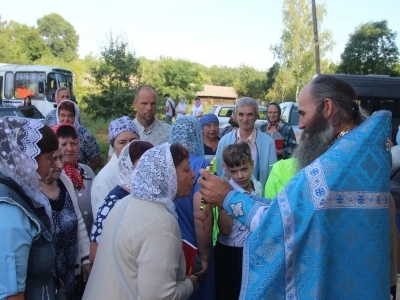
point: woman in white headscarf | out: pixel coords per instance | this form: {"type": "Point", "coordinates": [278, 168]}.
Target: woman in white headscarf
{"type": "Point", "coordinates": [121, 132]}
{"type": "Point", "coordinates": [140, 255]}
{"type": "Point", "coordinates": [127, 161]}
{"type": "Point", "coordinates": [26, 225]}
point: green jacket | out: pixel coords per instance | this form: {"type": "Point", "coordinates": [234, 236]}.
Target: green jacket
{"type": "Point", "coordinates": [282, 171]}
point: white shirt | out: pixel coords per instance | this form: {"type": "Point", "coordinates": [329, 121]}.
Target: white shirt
{"type": "Point", "coordinates": [197, 110]}
{"type": "Point", "coordinates": [182, 107]}
{"type": "Point", "coordinates": [103, 183]}
{"type": "Point", "coordinates": [239, 233]}
{"type": "Point", "coordinates": [168, 104]}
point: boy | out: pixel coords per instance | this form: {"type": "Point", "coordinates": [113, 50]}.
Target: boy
{"type": "Point", "coordinates": [238, 165]}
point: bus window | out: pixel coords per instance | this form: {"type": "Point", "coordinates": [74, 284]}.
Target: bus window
{"type": "Point", "coordinates": [51, 87]}
{"type": "Point", "coordinates": [27, 84]}
{"type": "Point", "coordinates": [9, 85]}
{"type": "Point", "coordinates": [69, 82]}
{"type": "Point", "coordinates": [391, 105]}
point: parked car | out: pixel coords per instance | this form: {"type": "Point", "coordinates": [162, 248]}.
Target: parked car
{"type": "Point", "coordinates": [9, 110]}
{"type": "Point", "coordinates": [290, 114]}
{"type": "Point", "coordinates": [31, 112]}
{"type": "Point", "coordinates": [225, 111]}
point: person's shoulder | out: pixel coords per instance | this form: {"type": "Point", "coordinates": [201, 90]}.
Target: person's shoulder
{"type": "Point", "coordinates": [88, 170]}
{"type": "Point", "coordinates": [162, 124]}
{"type": "Point", "coordinates": [227, 137]}
{"type": "Point", "coordinates": [264, 137]}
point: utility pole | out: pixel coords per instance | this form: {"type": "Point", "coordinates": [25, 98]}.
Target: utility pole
{"type": "Point", "coordinates": [316, 41]}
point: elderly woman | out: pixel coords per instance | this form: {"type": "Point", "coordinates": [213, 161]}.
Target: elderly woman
{"type": "Point", "coordinates": [195, 224]}
{"type": "Point", "coordinates": [120, 133]}
{"type": "Point", "coordinates": [210, 124]}
{"type": "Point", "coordinates": [280, 131]}
{"type": "Point", "coordinates": [26, 224]}
{"type": "Point", "coordinates": [81, 175]}
{"type": "Point", "coordinates": [62, 93]}
{"type": "Point", "coordinates": [140, 255]}
{"type": "Point", "coordinates": [89, 151]}
{"type": "Point", "coordinates": [72, 241]}
{"type": "Point", "coordinates": [127, 161]}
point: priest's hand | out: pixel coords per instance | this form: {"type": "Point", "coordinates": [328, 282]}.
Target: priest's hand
{"type": "Point", "coordinates": [213, 188]}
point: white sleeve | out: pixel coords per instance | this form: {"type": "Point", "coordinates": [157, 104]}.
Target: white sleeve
{"type": "Point", "coordinates": [257, 217]}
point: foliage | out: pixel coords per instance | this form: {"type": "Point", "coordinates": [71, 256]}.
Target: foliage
{"type": "Point", "coordinates": [223, 76]}
{"type": "Point", "coordinates": [371, 49]}
{"type": "Point", "coordinates": [59, 35]}
{"type": "Point", "coordinates": [271, 75]}
{"type": "Point", "coordinates": [116, 75]}
{"type": "Point", "coordinates": [251, 83]}
{"type": "Point", "coordinates": [296, 51]}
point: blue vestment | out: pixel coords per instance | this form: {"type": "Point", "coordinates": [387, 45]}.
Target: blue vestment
{"type": "Point", "coordinates": [326, 235]}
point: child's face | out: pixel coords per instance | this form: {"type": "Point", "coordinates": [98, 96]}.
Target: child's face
{"type": "Point", "coordinates": [241, 175]}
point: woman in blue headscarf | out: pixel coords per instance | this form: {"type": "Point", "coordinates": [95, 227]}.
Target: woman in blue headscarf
{"type": "Point", "coordinates": [195, 224]}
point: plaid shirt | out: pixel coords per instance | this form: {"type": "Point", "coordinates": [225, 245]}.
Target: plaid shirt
{"type": "Point", "coordinates": [289, 138]}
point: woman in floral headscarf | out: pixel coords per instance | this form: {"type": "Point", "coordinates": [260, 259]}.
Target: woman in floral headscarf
{"type": "Point", "coordinates": [121, 132]}
{"type": "Point", "coordinates": [140, 255]}
{"type": "Point", "coordinates": [81, 175]}
{"type": "Point", "coordinates": [127, 161]}
{"type": "Point", "coordinates": [26, 225]}
{"type": "Point", "coordinates": [279, 130]}
{"type": "Point", "coordinates": [89, 150]}
{"type": "Point", "coordinates": [195, 224]}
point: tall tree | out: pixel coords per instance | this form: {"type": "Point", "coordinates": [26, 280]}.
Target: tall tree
{"type": "Point", "coordinates": [296, 50]}
{"type": "Point", "coordinates": [59, 35]}
{"type": "Point", "coordinates": [371, 49]}
{"type": "Point", "coordinates": [251, 83]}
{"type": "Point", "coordinates": [116, 75]}
{"type": "Point", "coordinates": [223, 76]}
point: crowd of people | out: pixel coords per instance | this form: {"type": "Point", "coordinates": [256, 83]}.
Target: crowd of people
{"type": "Point", "coordinates": [272, 219]}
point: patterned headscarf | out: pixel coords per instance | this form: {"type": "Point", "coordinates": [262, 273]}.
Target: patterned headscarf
{"type": "Point", "coordinates": [121, 125]}
{"type": "Point", "coordinates": [56, 98]}
{"type": "Point", "coordinates": [71, 169]}
{"type": "Point", "coordinates": [77, 114]}
{"type": "Point", "coordinates": [207, 119]}
{"type": "Point", "coordinates": [125, 167]}
{"type": "Point", "coordinates": [187, 131]}
{"type": "Point", "coordinates": [155, 179]}
{"type": "Point", "coordinates": [18, 148]}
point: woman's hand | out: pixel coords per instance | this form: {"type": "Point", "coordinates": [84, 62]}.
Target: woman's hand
{"type": "Point", "coordinates": [202, 272]}
{"type": "Point", "coordinates": [194, 281]}
{"type": "Point", "coordinates": [86, 269]}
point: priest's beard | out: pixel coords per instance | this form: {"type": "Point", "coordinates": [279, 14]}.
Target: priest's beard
{"type": "Point", "coordinates": [314, 141]}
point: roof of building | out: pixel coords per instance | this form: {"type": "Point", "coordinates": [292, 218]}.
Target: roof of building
{"type": "Point", "coordinates": [217, 92]}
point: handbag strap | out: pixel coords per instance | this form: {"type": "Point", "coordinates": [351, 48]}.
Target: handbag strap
{"type": "Point", "coordinates": [121, 276]}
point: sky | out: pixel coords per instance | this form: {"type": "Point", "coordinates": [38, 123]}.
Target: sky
{"type": "Point", "coordinates": [210, 32]}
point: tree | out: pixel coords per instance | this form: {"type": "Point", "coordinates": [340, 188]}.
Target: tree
{"type": "Point", "coordinates": [371, 49]}
{"type": "Point", "coordinates": [296, 50]}
{"type": "Point", "coordinates": [223, 76]}
{"type": "Point", "coordinates": [271, 75]}
{"type": "Point", "coordinates": [251, 83]}
{"type": "Point", "coordinates": [59, 35]}
{"type": "Point", "coordinates": [116, 75]}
